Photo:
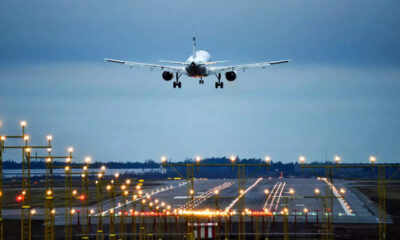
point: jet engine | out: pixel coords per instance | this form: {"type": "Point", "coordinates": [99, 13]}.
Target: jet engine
{"type": "Point", "coordinates": [167, 75]}
{"type": "Point", "coordinates": [230, 76]}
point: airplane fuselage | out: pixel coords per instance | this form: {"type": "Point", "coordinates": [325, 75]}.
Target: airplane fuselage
{"type": "Point", "coordinates": [196, 64]}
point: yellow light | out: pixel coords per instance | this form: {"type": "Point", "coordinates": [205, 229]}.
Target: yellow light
{"type": "Point", "coordinates": [372, 159]}
{"type": "Point", "coordinates": [74, 192]}
{"type": "Point", "coordinates": [33, 211]}
{"type": "Point", "coordinates": [116, 175]}
{"type": "Point", "coordinates": [3, 138]}
{"type": "Point", "coordinates": [26, 137]}
{"type": "Point", "coordinates": [103, 168]}
{"type": "Point", "coordinates": [156, 201]}
{"type": "Point", "coordinates": [169, 207]}
{"type": "Point", "coordinates": [49, 192]}
{"type": "Point", "coordinates": [49, 138]}
{"type": "Point", "coordinates": [88, 160]}
{"type": "Point", "coordinates": [91, 211]}
{"type": "Point", "coordinates": [24, 192]}
{"type": "Point", "coordinates": [163, 159]}
{"type": "Point", "coordinates": [267, 159]}
{"type": "Point", "coordinates": [108, 187]}
{"type": "Point", "coordinates": [48, 160]}
{"type": "Point", "coordinates": [286, 210]}
{"type": "Point", "coordinates": [85, 168]}
{"type": "Point", "coordinates": [302, 159]}
{"type": "Point", "coordinates": [140, 192]}
{"type": "Point", "coordinates": [138, 187]}
{"type": "Point", "coordinates": [83, 175]}
{"type": "Point", "coordinates": [123, 187]}
{"type": "Point", "coordinates": [53, 211]}
{"type": "Point", "coordinates": [66, 168]}
{"type": "Point", "coordinates": [198, 159]}
{"type": "Point", "coordinates": [216, 192]}
{"type": "Point", "coordinates": [128, 181]}
{"type": "Point", "coordinates": [144, 201]}
{"type": "Point", "coordinates": [28, 150]}
{"type": "Point", "coordinates": [73, 211]}
{"type": "Point", "coordinates": [241, 191]}
{"type": "Point", "coordinates": [337, 159]}
{"type": "Point", "coordinates": [100, 175]}
{"type": "Point", "coordinates": [191, 191]}
{"type": "Point", "coordinates": [291, 191]}
{"type": "Point", "coordinates": [112, 210]}
{"type": "Point", "coordinates": [134, 197]}
{"type": "Point", "coordinates": [316, 191]}
{"type": "Point", "coordinates": [342, 191]}
{"type": "Point", "coordinates": [305, 210]}
{"type": "Point", "coordinates": [266, 191]}
{"type": "Point", "coordinates": [70, 149]}
{"type": "Point", "coordinates": [162, 204]}
{"type": "Point", "coordinates": [23, 123]}
{"type": "Point", "coordinates": [232, 158]}
{"type": "Point", "coordinates": [68, 160]}
{"type": "Point", "coordinates": [48, 149]}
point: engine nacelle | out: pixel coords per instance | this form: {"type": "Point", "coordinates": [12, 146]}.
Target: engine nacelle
{"type": "Point", "coordinates": [230, 76]}
{"type": "Point", "coordinates": [167, 76]}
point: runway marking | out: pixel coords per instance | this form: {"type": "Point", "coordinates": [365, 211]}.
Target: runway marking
{"type": "Point", "coordinates": [206, 195]}
{"type": "Point", "coordinates": [269, 195]}
{"type": "Point", "coordinates": [241, 195]}
{"type": "Point", "coordinates": [339, 197]}
{"type": "Point", "coordinates": [163, 189]}
{"type": "Point", "coordinates": [279, 198]}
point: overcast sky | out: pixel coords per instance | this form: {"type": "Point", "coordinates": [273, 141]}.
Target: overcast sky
{"type": "Point", "coordinates": [339, 95]}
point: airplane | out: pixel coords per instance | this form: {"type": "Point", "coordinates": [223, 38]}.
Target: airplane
{"type": "Point", "coordinates": [197, 66]}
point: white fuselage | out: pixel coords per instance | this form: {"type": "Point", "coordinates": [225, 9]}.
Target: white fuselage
{"type": "Point", "coordinates": [196, 67]}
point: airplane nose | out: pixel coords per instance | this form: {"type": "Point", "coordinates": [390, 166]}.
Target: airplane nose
{"type": "Point", "coordinates": [192, 64]}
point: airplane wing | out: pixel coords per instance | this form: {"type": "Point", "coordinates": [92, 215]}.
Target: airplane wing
{"type": "Point", "coordinates": [148, 65]}
{"type": "Point", "coordinates": [214, 70]}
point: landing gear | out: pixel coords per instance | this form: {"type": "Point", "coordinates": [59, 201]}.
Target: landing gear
{"type": "Point", "coordinates": [219, 83]}
{"type": "Point", "coordinates": [177, 83]}
{"type": "Point", "coordinates": [201, 82]}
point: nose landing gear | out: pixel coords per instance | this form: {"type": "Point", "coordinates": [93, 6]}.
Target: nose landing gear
{"type": "Point", "coordinates": [219, 83]}
{"type": "Point", "coordinates": [201, 82]}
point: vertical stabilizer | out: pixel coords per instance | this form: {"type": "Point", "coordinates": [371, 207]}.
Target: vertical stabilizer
{"type": "Point", "coordinates": [194, 47]}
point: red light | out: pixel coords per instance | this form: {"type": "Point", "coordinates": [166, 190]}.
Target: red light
{"type": "Point", "coordinates": [82, 197]}
{"type": "Point", "coordinates": [20, 198]}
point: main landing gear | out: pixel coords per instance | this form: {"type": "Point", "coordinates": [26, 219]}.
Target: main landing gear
{"type": "Point", "coordinates": [177, 83]}
{"type": "Point", "coordinates": [201, 82]}
{"type": "Point", "coordinates": [219, 83]}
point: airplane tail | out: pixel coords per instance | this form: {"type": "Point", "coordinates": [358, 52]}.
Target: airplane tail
{"type": "Point", "coordinates": [194, 47]}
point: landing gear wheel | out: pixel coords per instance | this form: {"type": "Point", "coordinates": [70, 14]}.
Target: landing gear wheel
{"type": "Point", "coordinates": [174, 84]}
{"type": "Point", "coordinates": [179, 84]}
{"type": "Point", "coordinates": [201, 82]}
{"type": "Point", "coordinates": [219, 84]}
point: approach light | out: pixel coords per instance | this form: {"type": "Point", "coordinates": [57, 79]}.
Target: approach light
{"type": "Point", "coordinates": [266, 191]}
{"type": "Point", "coordinates": [267, 159]}
{"type": "Point", "coordinates": [372, 159]}
{"type": "Point", "coordinates": [23, 123]}
{"type": "Point", "coordinates": [26, 138]}
{"type": "Point", "coordinates": [197, 159]}
{"type": "Point", "coordinates": [49, 138]}
{"type": "Point", "coordinates": [337, 159]}
{"type": "Point", "coordinates": [163, 159]}
{"type": "Point", "coordinates": [317, 191]}
{"type": "Point", "coordinates": [3, 138]}
{"type": "Point", "coordinates": [70, 149]}
{"type": "Point", "coordinates": [88, 160]}
{"type": "Point", "coordinates": [302, 159]}
{"type": "Point", "coordinates": [342, 191]}
{"type": "Point", "coordinates": [216, 191]}
{"type": "Point", "coordinates": [291, 191]}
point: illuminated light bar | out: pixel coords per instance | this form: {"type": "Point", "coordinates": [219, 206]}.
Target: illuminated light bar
{"type": "Point", "coordinates": [343, 203]}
